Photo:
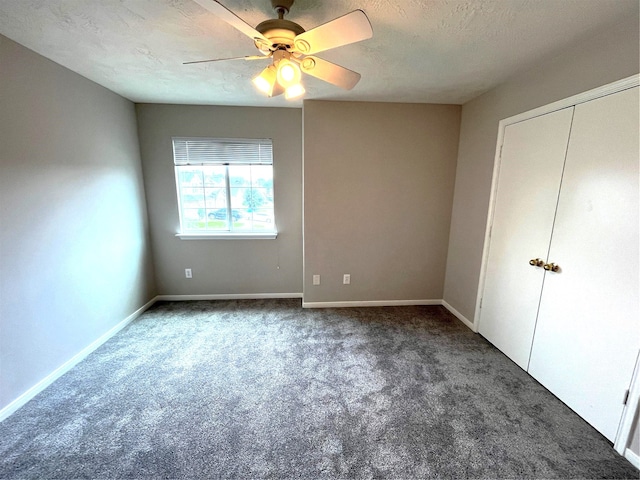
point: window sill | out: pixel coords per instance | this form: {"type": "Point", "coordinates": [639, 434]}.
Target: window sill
{"type": "Point", "coordinates": [228, 236]}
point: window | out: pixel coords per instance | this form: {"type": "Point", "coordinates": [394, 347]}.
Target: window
{"type": "Point", "coordinates": [225, 187]}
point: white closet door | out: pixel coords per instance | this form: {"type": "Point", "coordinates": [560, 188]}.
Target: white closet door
{"type": "Point", "coordinates": [588, 331]}
{"type": "Point", "coordinates": [533, 154]}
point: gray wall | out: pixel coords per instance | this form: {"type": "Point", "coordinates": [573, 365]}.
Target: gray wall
{"type": "Point", "coordinates": [593, 62]}
{"type": "Point", "coordinates": [74, 249]}
{"type": "Point", "coordinates": [223, 266]}
{"type": "Point", "coordinates": [378, 187]}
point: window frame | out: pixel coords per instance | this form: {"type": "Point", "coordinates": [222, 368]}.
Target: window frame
{"type": "Point", "coordinates": [204, 158]}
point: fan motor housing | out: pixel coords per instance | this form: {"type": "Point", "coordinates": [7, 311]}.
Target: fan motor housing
{"type": "Point", "coordinates": [280, 31]}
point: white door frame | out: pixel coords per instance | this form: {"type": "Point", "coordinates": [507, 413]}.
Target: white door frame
{"type": "Point", "coordinates": [623, 437]}
{"type": "Point", "coordinates": [626, 423]}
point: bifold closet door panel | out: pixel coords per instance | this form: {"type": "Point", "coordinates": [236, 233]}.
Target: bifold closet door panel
{"type": "Point", "coordinates": [588, 331]}
{"type": "Point", "coordinates": [533, 154]}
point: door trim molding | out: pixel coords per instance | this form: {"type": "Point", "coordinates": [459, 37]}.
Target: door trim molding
{"type": "Point", "coordinates": [626, 422]}
{"type": "Point", "coordinates": [625, 429]}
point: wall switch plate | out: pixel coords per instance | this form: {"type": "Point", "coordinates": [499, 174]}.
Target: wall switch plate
{"type": "Point", "coordinates": [346, 279]}
{"type": "Point", "coordinates": [187, 273]}
{"type": "Point", "coordinates": [316, 279]}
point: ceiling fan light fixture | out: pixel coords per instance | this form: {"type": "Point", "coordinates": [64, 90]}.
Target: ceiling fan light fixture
{"type": "Point", "coordinates": [288, 73]}
{"type": "Point", "coordinates": [294, 91]}
{"type": "Point", "coordinates": [289, 47]}
{"type": "Point", "coordinates": [267, 83]}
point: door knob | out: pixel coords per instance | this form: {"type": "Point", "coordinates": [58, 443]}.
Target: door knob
{"type": "Point", "coordinates": [536, 262]}
{"type": "Point", "coordinates": [551, 267]}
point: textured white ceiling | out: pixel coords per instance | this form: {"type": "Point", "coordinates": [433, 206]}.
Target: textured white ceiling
{"type": "Point", "coordinates": [435, 51]}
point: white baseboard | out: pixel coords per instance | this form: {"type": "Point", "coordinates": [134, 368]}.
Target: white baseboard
{"type": "Point", "coordinates": [370, 303]}
{"type": "Point", "coordinates": [227, 296]}
{"type": "Point", "coordinates": [633, 458]}
{"type": "Point", "coordinates": [391, 303]}
{"type": "Point", "coordinates": [69, 364]}
{"type": "Point", "coordinates": [460, 317]}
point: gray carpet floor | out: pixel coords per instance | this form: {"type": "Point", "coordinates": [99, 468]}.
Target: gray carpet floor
{"type": "Point", "coordinates": [266, 389]}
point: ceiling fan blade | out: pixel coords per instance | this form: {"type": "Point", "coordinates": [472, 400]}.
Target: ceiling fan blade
{"type": "Point", "coordinates": [329, 72]}
{"type": "Point", "coordinates": [250, 57]}
{"type": "Point", "coordinates": [350, 28]}
{"type": "Point", "coordinates": [232, 19]}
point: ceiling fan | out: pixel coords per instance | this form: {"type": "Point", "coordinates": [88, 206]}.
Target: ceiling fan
{"type": "Point", "coordinates": [291, 48]}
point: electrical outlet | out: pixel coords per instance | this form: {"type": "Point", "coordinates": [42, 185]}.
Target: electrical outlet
{"type": "Point", "coordinates": [316, 279]}
{"type": "Point", "coordinates": [346, 279]}
{"type": "Point", "coordinates": [187, 273]}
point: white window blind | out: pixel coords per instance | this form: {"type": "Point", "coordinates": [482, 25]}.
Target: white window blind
{"type": "Point", "coordinates": [222, 151]}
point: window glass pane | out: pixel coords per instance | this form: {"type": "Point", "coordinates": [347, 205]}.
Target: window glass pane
{"type": "Point", "coordinates": [217, 219]}
{"type": "Point", "coordinates": [215, 198]}
{"type": "Point", "coordinates": [191, 225]}
{"type": "Point", "coordinates": [262, 176]}
{"type": "Point", "coordinates": [262, 219]}
{"type": "Point", "coordinates": [239, 175]}
{"type": "Point", "coordinates": [262, 181]}
{"type": "Point", "coordinates": [250, 199]}
{"type": "Point", "coordinates": [239, 197]}
{"type": "Point", "coordinates": [261, 199]}
{"type": "Point", "coordinates": [214, 176]}
{"type": "Point", "coordinates": [190, 176]}
{"type": "Point", "coordinates": [241, 219]}
{"type": "Point", "coordinates": [193, 218]}
{"type": "Point", "coordinates": [192, 199]}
